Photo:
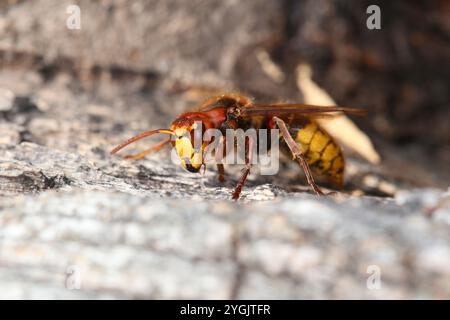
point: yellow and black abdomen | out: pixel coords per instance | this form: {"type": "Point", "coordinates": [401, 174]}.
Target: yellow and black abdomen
{"type": "Point", "coordinates": [323, 154]}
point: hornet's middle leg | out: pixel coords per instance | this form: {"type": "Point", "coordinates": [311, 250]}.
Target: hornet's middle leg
{"type": "Point", "coordinates": [246, 171]}
{"type": "Point", "coordinates": [221, 171]}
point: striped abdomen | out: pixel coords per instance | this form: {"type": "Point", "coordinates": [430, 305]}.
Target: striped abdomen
{"type": "Point", "coordinates": [324, 156]}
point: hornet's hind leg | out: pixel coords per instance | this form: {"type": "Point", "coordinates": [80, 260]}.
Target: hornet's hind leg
{"type": "Point", "coordinates": [297, 154]}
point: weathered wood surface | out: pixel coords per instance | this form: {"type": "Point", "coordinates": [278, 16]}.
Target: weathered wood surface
{"type": "Point", "coordinates": [127, 246]}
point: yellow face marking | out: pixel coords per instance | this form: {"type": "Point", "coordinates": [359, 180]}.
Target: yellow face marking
{"type": "Point", "coordinates": [330, 152]}
{"type": "Point", "coordinates": [184, 147]}
{"type": "Point", "coordinates": [319, 141]}
{"type": "Point", "coordinates": [190, 160]}
{"type": "Point", "coordinates": [197, 160]}
{"type": "Point", "coordinates": [305, 134]}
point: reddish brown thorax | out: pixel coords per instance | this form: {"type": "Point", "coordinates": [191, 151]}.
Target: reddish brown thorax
{"type": "Point", "coordinates": [210, 119]}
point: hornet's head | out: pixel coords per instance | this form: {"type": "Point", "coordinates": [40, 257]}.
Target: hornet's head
{"type": "Point", "coordinates": [186, 134]}
{"type": "Point", "coordinates": [189, 143]}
